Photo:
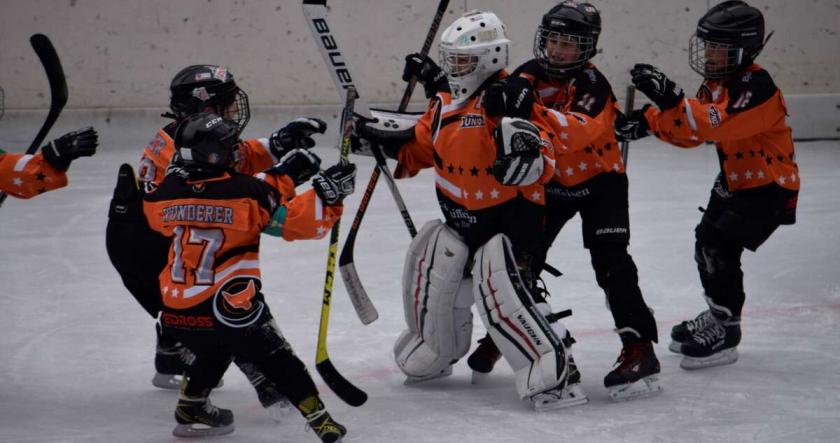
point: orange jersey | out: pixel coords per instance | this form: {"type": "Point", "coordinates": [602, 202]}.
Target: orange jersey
{"type": "Point", "coordinates": [254, 156]}
{"type": "Point", "coordinates": [215, 225]}
{"type": "Point", "coordinates": [457, 140]}
{"type": "Point", "coordinates": [745, 117]}
{"type": "Point", "coordinates": [580, 111]}
{"type": "Point", "coordinates": [25, 176]}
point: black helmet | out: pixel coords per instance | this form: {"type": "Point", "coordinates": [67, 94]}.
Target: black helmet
{"type": "Point", "coordinates": [207, 143]}
{"type": "Point", "coordinates": [734, 28]}
{"type": "Point", "coordinates": [199, 86]}
{"type": "Point", "coordinates": [576, 24]}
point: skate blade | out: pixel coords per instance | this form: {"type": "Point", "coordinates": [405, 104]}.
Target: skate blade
{"type": "Point", "coordinates": [644, 387]}
{"type": "Point", "coordinates": [725, 357]}
{"type": "Point", "coordinates": [197, 430]}
{"type": "Point", "coordinates": [572, 395]}
{"type": "Point", "coordinates": [411, 380]}
{"type": "Point", "coordinates": [675, 347]}
{"type": "Point", "coordinates": [279, 411]}
{"type": "Point", "coordinates": [167, 381]}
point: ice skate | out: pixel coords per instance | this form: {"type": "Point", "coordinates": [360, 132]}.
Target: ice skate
{"type": "Point", "coordinates": [327, 429]}
{"type": "Point", "coordinates": [446, 372]}
{"type": "Point", "coordinates": [482, 360]}
{"type": "Point", "coordinates": [197, 417]}
{"type": "Point", "coordinates": [636, 374]}
{"type": "Point", "coordinates": [171, 359]}
{"type": "Point", "coordinates": [683, 332]}
{"type": "Point", "coordinates": [713, 346]}
{"type": "Point", "coordinates": [559, 398]}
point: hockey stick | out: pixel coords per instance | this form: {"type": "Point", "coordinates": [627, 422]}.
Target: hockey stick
{"type": "Point", "coordinates": [628, 108]}
{"type": "Point", "coordinates": [340, 385]}
{"type": "Point", "coordinates": [346, 263]}
{"type": "Point", "coordinates": [315, 12]}
{"type": "Point", "coordinates": [58, 90]}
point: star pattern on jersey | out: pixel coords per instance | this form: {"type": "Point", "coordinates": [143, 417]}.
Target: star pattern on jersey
{"type": "Point", "coordinates": [739, 155]}
{"type": "Point", "coordinates": [564, 135]}
{"type": "Point", "coordinates": [678, 122]}
{"type": "Point", "coordinates": [582, 166]}
{"type": "Point", "coordinates": [17, 181]}
{"type": "Point", "coordinates": [570, 171]}
{"type": "Point", "coordinates": [479, 195]}
{"type": "Point", "coordinates": [535, 196]}
{"type": "Point", "coordinates": [321, 230]}
{"type": "Point", "coordinates": [41, 177]}
{"type": "Point", "coordinates": [474, 171]}
{"type": "Point", "coordinates": [616, 167]}
{"type": "Point", "coordinates": [748, 174]}
{"type": "Point", "coordinates": [175, 292]}
{"type": "Point", "coordinates": [488, 170]}
{"type": "Point", "coordinates": [451, 168]}
{"type": "Point", "coordinates": [494, 193]}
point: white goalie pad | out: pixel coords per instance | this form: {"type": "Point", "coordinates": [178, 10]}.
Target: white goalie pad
{"type": "Point", "coordinates": [531, 345]}
{"type": "Point", "coordinates": [437, 301]}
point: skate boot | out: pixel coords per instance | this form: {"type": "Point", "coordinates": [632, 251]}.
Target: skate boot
{"type": "Point", "coordinates": [197, 417]}
{"type": "Point", "coordinates": [445, 372]}
{"type": "Point", "coordinates": [682, 332]}
{"type": "Point", "coordinates": [566, 395]}
{"type": "Point", "coordinates": [482, 360]}
{"type": "Point", "coordinates": [327, 429]}
{"type": "Point", "coordinates": [713, 346]}
{"type": "Point", "coordinates": [636, 374]}
{"type": "Point", "coordinates": [275, 403]}
{"type": "Point", "coordinates": [171, 359]}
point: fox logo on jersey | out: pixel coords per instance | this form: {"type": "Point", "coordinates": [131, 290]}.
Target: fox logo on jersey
{"type": "Point", "coordinates": [241, 299]}
{"type": "Point", "coordinates": [236, 304]}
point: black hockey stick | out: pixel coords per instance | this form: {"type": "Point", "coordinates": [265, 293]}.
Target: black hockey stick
{"type": "Point", "coordinates": [58, 90]}
{"type": "Point", "coordinates": [628, 108]}
{"type": "Point", "coordinates": [346, 263]}
{"type": "Point", "coordinates": [315, 12]}
{"type": "Point", "coordinates": [340, 385]}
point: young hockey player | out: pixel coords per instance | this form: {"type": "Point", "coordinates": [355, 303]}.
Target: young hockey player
{"type": "Point", "coordinates": [576, 101]}
{"type": "Point", "coordinates": [139, 254]}
{"type": "Point", "coordinates": [211, 287]}
{"type": "Point", "coordinates": [489, 175]}
{"type": "Point", "coordinates": [739, 108]}
{"type": "Point", "coordinates": [25, 176]}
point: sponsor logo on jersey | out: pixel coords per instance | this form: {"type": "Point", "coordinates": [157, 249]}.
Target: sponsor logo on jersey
{"type": "Point", "coordinates": [611, 230]}
{"type": "Point", "coordinates": [198, 213]}
{"type": "Point", "coordinates": [714, 117]}
{"type": "Point", "coordinates": [234, 304]}
{"type": "Point", "coordinates": [472, 121]}
{"type": "Point", "coordinates": [191, 321]}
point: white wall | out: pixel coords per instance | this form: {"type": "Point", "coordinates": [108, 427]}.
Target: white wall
{"type": "Point", "coordinates": [122, 54]}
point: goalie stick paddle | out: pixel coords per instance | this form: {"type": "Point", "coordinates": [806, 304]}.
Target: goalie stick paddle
{"type": "Point", "coordinates": [628, 108]}
{"type": "Point", "coordinates": [346, 262]}
{"type": "Point", "coordinates": [315, 12]}
{"type": "Point", "coordinates": [58, 90]}
{"type": "Point", "coordinates": [340, 385]}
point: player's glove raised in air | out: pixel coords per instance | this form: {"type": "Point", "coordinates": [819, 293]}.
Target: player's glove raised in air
{"type": "Point", "coordinates": [427, 72]}
{"type": "Point", "coordinates": [61, 151]}
{"type": "Point", "coordinates": [518, 158]}
{"type": "Point", "coordinates": [513, 97]}
{"type": "Point", "coordinates": [299, 164]}
{"type": "Point", "coordinates": [337, 182]}
{"type": "Point", "coordinates": [296, 135]}
{"type": "Point", "coordinates": [385, 134]}
{"type": "Point", "coordinates": [632, 126]}
{"type": "Point", "coordinates": [657, 86]}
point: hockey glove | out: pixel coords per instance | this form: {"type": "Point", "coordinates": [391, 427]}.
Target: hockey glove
{"type": "Point", "coordinates": [299, 164]}
{"type": "Point", "coordinates": [513, 97]}
{"type": "Point", "coordinates": [518, 158]}
{"type": "Point", "coordinates": [633, 126]}
{"type": "Point", "coordinates": [296, 135]}
{"type": "Point", "coordinates": [657, 86]}
{"type": "Point", "coordinates": [337, 182]}
{"type": "Point", "coordinates": [427, 72]}
{"type": "Point", "coordinates": [61, 151]}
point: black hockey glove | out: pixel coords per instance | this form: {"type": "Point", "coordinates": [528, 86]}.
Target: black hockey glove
{"type": "Point", "coordinates": [427, 72]}
{"type": "Point", "coordinates": [61, 151]}
{"type": "Point", "coordinates": [633, 126]}
{"type": "Point", "coordinates": [518, 157]}
{"type": "Point", "coordinates": [657, 86]}
{"type": "Point", "coordinates": [299, 164]}
{"type": "Point", "coordinates": [337, 182]}
{"type": "Point", "coordinates": [513, 97]}
{"type": "Point", "coordinates": [296, 135]}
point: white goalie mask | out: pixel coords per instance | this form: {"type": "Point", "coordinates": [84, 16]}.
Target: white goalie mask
{"type": "Point", "coordinates": [472, 49]}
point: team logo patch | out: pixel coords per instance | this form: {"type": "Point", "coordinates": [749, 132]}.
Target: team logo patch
{"type": "Point", "coordinates": [220, 73]}
{"type": "Point", "coordinates": [235, 303]}
{"type": "Point", "coordinates": [472, 121]}
{"type": "Point", "coordinates": [714, 117]}
{"type": "Point", "coordinates": [201, 94]}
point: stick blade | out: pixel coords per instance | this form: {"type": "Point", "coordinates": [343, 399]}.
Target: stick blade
{"type": "Point", "coordinates": [52, 65]}
{"type": "Point", "coordinates": [365, 309]}
{"type": "Point", "coordinates": [345, 390]}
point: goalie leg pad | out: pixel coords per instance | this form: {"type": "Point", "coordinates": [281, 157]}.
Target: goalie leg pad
{"type": "Point", "coordinates": [437, 301]}
{"type": "Point", "coordinates": [518, 326]}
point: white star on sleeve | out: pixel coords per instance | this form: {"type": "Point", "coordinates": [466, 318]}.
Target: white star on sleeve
{"type": "Point", "coordinates": [760, 174]}
{"type": "Point", "coordinates": [321, 230]}
{"type": "Point", "coordinates": [582, 166]}
{"type": "Point", "coordinates": [535, 196]}
{"type": "Point", "coordinates": [748, 175]}
{"type": "Point", "coordinates": [570, 171]}
{"type": "Point", "coordinates": [782, 180]}
{"type": "Point", "coordinates": [733, 176]}
{"type": "Point", "coordinates": [479, 195]}
{"type": "Point", "coordinates": [494, 194]}
{"type": "Point", "coordinates": [17, 181]}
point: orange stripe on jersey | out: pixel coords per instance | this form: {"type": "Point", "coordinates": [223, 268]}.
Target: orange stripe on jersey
{"type": "Point", "coordinates": [25, 176]}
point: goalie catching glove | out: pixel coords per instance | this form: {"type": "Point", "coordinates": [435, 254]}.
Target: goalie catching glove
{"type": "Point", "coordinates": [519, 161]}
{"type": "Point", "coordinates": [337, 182]}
